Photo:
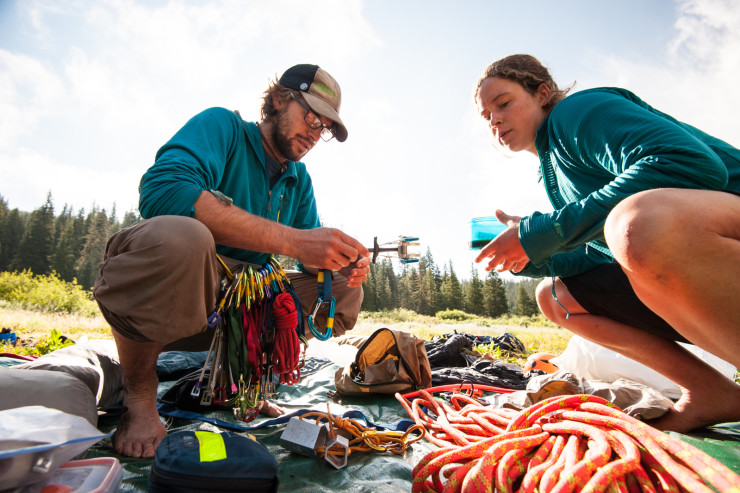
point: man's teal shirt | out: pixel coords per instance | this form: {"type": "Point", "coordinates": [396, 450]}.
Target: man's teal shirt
{"type": "Point", "coordinates": [217, 150]}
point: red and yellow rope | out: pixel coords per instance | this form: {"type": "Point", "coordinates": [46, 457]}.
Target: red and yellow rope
{"type": "Point", "coordinates": [563, 444]}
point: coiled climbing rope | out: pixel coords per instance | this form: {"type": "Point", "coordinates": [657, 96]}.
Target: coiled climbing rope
{"type": "Point", "coordinates": [562, 444]}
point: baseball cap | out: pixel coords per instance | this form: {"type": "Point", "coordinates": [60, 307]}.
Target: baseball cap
{"type": "Point", "coordinates": [320, 90]}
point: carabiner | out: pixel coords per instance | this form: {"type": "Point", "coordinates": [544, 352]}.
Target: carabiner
{"type": "Point", "coordinates": [324, 291]}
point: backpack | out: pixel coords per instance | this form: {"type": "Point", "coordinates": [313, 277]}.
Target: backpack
{"type": "Point", "coordinates": [389, 361]}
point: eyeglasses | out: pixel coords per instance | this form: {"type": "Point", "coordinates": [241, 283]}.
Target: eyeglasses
{"type": "Point", "coordinates": [314, 121]}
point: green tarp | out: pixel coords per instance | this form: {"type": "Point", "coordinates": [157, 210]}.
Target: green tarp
{"type": "Point", "coordinates": [369, 472]}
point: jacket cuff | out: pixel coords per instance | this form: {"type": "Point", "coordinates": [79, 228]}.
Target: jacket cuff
{"type": "Point", "coordinates": [539, 237]}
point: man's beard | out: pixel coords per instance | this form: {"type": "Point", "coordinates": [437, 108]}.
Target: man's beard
{"type": "Point", "coordinates": [280, 139]}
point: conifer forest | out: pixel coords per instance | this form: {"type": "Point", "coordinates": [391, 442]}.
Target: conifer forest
{"type": "Point", "coordinates": [71, 244]}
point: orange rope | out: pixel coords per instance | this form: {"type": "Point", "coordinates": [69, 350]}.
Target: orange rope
{"type": "Point", "coordinates": [562, 444]}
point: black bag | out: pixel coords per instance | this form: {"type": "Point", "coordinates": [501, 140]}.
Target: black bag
{"type": "Point", "coordinates": [180, 395]}
{"type": "Point", "coordinates": [198, 461]}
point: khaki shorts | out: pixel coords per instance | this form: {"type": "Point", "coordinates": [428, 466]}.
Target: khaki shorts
{"type": "Point", "coordinates": [160, 279]}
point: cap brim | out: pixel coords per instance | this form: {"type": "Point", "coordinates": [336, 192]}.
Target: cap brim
{"type": "Point", "coordinates": [324, 109]}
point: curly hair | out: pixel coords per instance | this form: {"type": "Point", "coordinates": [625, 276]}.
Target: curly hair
{"type": "Point", "coordinates": [274, 90]}
{"type": "Point", "coordinates": [528, 72]}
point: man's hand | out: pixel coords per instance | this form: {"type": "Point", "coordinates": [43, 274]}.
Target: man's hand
{"type": "Point", "coordinates": [330, 248]}
{"type": "Point", "coordinates": [505, 251]}
{"type": "Point", "coordinates": [323, 248]}
{"type": "Point", "coordinates": [357, 272]}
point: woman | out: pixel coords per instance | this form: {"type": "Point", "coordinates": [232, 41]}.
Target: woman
{"type": "Point", "coordinates": [643, 247]}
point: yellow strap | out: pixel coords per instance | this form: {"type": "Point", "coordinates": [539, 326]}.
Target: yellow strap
{"type": "Point", "coordinates": [212, 446]}
{"type": "Point", "coordinates": [223, 264]}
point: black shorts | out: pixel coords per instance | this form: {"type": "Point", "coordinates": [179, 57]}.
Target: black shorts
{"type": "Point", "coordinates": [606, 291]}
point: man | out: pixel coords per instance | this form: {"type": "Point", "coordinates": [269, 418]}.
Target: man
{"type": "Point", "coordinates": [233, 188]}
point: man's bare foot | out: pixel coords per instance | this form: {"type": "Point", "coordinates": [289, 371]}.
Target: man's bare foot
{"type": "Point", "coordinates": [702, 407]}
{"type": "Point", "coordinates": [139, 431]}
{"type": "Point", "coordinates": [271, 410]}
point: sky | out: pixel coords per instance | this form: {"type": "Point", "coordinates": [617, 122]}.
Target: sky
{"type": "Point", "coordinates": [90, 89]}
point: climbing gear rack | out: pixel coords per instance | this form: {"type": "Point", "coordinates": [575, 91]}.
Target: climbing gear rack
{"type": "Point", "coordinates": [256, 342]}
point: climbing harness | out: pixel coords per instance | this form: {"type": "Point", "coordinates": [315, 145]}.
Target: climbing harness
{"type": "Point", "coordinates": [561, 444]}
{"type": "Point", "coordinates": [256, 342]}
{"type": "Point", "coordinates": [324, 296]}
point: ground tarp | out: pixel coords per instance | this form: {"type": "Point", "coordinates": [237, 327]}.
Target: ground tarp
{"type": "Point", "coordinates": [369, 472]}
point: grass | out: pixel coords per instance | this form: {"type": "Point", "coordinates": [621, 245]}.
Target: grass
{"type": "Point", "coordinates": [34, 328]}
{"type": "Point", "coordinates": [46, 313]}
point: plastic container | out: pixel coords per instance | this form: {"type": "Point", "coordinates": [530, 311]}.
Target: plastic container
{"type": "Point", "coordinates": [483, 230]}
{"type": "Point", "coordinates": [101, 475]}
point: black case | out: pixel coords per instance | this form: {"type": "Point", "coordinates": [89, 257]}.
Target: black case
{"type": "Point", "coordinates": [248, 466]}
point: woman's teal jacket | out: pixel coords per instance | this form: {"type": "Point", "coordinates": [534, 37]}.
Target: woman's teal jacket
{"type": "Point", "coordinates": [597, 147]}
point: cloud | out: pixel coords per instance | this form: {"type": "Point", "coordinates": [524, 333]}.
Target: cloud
{"type": "Point", "coordinates": [699, 77]}
{"type": "Point", "coordinates": [707, 35]}
{"type": "Point", "coordinates": [97, 87]}
{"type": "Point", "coordinates": [93, 88]}
{"type": "Point", "coordinates": [36, 175]}
{"type": "Point", "coordinates": [28, 91]}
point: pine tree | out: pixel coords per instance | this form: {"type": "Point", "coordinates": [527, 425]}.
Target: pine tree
{"type": "Point", "coordinates": [37, 244]}
{"type": "Point", "coordinates": [385, 295]}
{"type": "Point", "coordinates": [60, 223]}
{"type": "Point", "coordinates": [434, 268]}
{"type": "Point", "coordinates": [426, 292]}
{"type": "Point", "coordinates": [526, 305]}
{"type": "Point", "coordinates": [387, 286]}
{"type": "Point", "coordinates": [451, 291]}
{"type": "Point", "coordinates": [113, 224]}
{"type": "Point", "coordinates": [129, 219]}
{"type": "Point", "coordinates": [404, 287]}
{"type": "Point", "coordinates": [67, 252]}
{"type": "Point", "coordinates": [370, 300]}
{"type": "Point", "coordinates": [494, 296]}
{"type": "Point", "coordinates": [474, 294]}
{"type": "Point", "coordinates": [411, 283]}
{"type": "Point", "coordinates": [94, 249]}
{"type": "Point", "coordinates": [12, 227]}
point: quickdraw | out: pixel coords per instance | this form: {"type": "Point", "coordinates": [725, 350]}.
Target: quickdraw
{"type": "Point", "coordinates": [256, 342]}
{"type": "Point", "coordinates": [562, 444]}
{"type": "Point", "coordinates": [324, 293]}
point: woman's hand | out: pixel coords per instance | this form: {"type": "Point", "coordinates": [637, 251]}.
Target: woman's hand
{"type": "Point", "coordinates": [505, 251]}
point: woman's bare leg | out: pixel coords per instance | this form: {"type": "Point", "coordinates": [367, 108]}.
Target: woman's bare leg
{"type": "Point", "coordinates": [680, 250]}
{"type": "Point", "coordinates": [696, 378]}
